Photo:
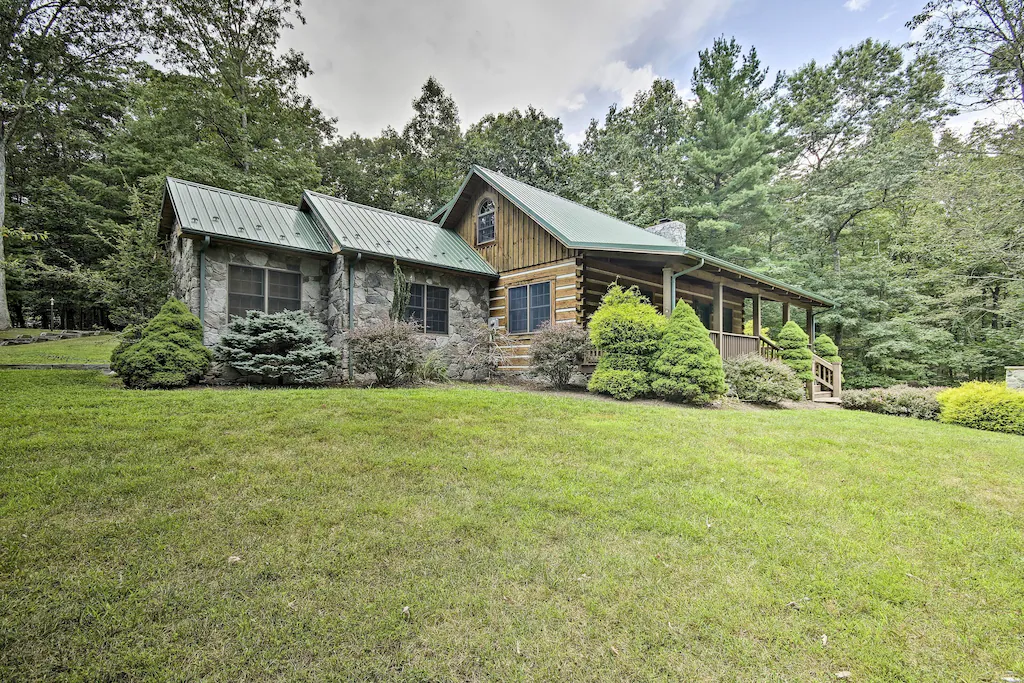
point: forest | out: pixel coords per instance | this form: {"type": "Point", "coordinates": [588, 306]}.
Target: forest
{"type": "Point", "coordinates": [842, 176]}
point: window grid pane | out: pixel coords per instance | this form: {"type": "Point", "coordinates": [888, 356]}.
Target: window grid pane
{"type": "Point", "coordinates": [540, 305]}
{"type": "Point", "coordinates": [414, 311]}
{"type": "Point", "coordinates": [518, 311]}
{"type": "Point", "coordinates": [485, 222]}
{"type": "Point", "coordinates": [437, 310]}
{"type": "Point", "coordinates": [245, 290]}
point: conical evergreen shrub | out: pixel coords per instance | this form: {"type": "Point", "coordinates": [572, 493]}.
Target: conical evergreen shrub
{"type": "Point", "coordinates": [687, 367]}
{"type": "Point", "coordinates": [795, 352]}
{"type": "Point", "coordinates": [827, 349]}
{"type": "Point", "coordinates": [626, 329]}
{"type": "Point", "coordinates": [168, 353]}
{"type": "Point", "coordinates": [287, 345]}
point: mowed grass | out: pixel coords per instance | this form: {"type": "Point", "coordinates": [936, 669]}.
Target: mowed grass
{"type": "Point", "coordinates": [86, 350]}
{"type": "Point", "coordinates": [531, 536]}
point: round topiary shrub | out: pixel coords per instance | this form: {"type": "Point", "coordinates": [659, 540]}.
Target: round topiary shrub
{"type": "Point", "coordinates": [287, 346]}
{"type": "Point", "coordinates": [687, 367]}
{"type": "Point", "coordinates": [755, 379]}
{"type": "Point", "coordinates": [167, 353]}
{"type": "Point", "coordinates": [626, 328]}
{"type": "Point", "coordinates": [795, 352]}
{"type": "Point", "coordinates": [558, 351]}
{"type": "Point", "coordinates": [827, 349]}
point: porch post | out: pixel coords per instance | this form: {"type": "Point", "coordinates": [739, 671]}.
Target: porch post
{"type": "Point", "coordinates": [717, 314]}
{"type": "Point", "coordinates": [757, 315]}
{"type": "Point", "coordinates": [666, 290]}
{"type": "Point", "coordinates": [785, 313]}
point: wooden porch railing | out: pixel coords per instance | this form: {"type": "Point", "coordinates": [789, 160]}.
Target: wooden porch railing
{"type": "Point", "coordinates": [729, 346]}
{"type": "Point", "coordinates": [828, 378]}
{"type": "Point", "coordinates": [770, 349]}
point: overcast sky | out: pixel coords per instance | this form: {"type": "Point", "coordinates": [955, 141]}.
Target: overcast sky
{"type": "Point", "coordinates": [571, 58]}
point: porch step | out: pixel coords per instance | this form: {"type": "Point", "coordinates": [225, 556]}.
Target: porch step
{"type": "Point", "coordinates": [825, 397]}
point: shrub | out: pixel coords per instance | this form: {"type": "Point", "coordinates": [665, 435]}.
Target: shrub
{"type": "Point", "coordinates": [483, 350]}
{"type": "Point", "coordinates": [994, 407]}
{"type": "Point", "coordinates": [688, 367]}
{"type": "Point", "coordinates": [755, 379]}
{"type": "Point", "coordinates": [434, 367]}
{"type": "Point", "coordinates": [558, 351]}
{"type": "Point", "coordinates": [827, 349]}
{"type": "Point", "coordinates": [900, 400]}
{"type": "Point", "coordinates": [391, 351]}
{"type": "Point", "coordinates": [626, 329]}
{"type": "Point", "coordinates": [288, 346]}
{"type": "Point", "coordinates": [168, 352]}
{"type": "Point", "coordinates": [795, 352]}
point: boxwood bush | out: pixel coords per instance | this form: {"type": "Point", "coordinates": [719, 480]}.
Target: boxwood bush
{"type": "Point", "coordinates": [687, 367]}
{"type": "Point", "coordinates": [981, 405]}
{"type": "Point", "coordinates": [900, 400]}
{"type": "Point", "coordinates": [755, 379]}
{"type": "Point", "coordinates": [626, 328]}
{"type": "Point", "coordinates": [168, 352]}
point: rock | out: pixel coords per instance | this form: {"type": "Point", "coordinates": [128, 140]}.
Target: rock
{"type": "Point", "coordinates": [844, 674]}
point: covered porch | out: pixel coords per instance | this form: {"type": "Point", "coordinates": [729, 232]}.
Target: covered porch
{"type": "Point", "coordinates": [726, 297]}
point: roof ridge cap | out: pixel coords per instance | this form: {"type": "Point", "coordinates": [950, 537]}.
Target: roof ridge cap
{"type": "Point", "coordinates": [371, 208]}
{"type": "Point", "coordinates": [241, 195]}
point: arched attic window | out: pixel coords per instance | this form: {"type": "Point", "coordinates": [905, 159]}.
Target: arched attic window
{"type": "Point", "coordinates": [485, 222]}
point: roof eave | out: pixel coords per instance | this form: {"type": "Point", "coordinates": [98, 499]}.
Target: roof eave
{"type": "Point", "coordinates": [217, 237]}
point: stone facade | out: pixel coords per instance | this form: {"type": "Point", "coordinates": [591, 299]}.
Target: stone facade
{"type": "Point", "coordinates": [185, 270]}
{"type": "Point", "coordinates": [1015, 377]}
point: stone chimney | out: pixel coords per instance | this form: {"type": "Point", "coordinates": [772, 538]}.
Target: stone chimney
{"type": "Point", "coordinates": [673, 231]}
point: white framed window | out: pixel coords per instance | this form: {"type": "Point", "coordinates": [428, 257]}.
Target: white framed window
{"type": "Point", "coordinates": [428, 308]}
{"type": "Point", "coordinates": [529, 307]}
{"type": "Point", "coordinates": [263, 289]}
{"type": "Point", "coordinates": [485, 222]}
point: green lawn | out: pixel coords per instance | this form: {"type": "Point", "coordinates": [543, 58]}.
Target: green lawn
{"type": "Point", "coordinates": [531, 536]}
{"type": "Point", "coordinates": [84, 350]}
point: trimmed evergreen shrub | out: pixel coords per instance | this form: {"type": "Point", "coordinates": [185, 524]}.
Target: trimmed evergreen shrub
{"type": "Point", "coordinates": [626, 328]}
{"type": "Point", "coordinates": [391, 351]}
{"type": "Point", "coordinates": [687, 367]}
{"type": "Point", "coordinates": [288, 345]}
{"type": "Point", "coordinates": [755, 379]}
{"type": "Point", "coordinates": [900, 400]}
{"type": "Point", "coordinates": [994, 407]}
{"type": "Point", "coordinates": [795, 352]}
{"type": "Point", "coordinates": [168, 352]}
{"type": "Point", "coordinates": [827, 349]}
{"type": "Point", "coordinates": [558, 351]}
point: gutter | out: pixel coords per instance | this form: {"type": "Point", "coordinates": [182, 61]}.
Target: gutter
{"type": "Point", "coordinates": [676, 276]}
{"type": "Point", "coordinates": [351, 304]}
{"type": "Point", "coordinates": [202, 283]}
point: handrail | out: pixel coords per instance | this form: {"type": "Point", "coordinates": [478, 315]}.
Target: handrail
{"type": "Point", "coordinates": [769, 342]}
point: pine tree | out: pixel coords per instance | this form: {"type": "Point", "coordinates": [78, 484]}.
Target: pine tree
{"type": "Point", "coordinates": [795, 352]}
{"type": "Point", "coordinates": [827, 349]}
{"type": "Point", "coordinates": [287, 345]}
{"type": "Point", "coordinates": [688, 367]}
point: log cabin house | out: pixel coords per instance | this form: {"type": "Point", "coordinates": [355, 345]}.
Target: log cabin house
{"type": "Point", "coordinates": [501, 252]}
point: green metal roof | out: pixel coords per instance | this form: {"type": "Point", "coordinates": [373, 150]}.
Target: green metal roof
{"type": "Point", "coordinates": [374, 231]}
{"type": "Point", "coordinates": [233, 216]}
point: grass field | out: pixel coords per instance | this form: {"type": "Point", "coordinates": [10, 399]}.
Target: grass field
{"type": "Point", "coordinates": [262, 535]}
{"type": "Point", "coordinates": [84, 350]}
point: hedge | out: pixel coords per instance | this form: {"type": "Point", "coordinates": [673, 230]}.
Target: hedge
{"type": "Point", "coordinates": [993, 407]}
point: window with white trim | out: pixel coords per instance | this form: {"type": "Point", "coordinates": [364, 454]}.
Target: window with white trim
{"type": "Point", "coordinates": [428, 308]}
{"type": "Point", "coordinates": [263, 289]}
{"type": "Point", "coordinates": [529, 307]}
{"type": "Point", "coordinates": [485, 222]}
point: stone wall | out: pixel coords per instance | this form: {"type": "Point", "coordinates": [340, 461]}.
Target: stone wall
{"type": "Point", "coordinates": [1015, 377]}
{"type": "Point", "coordinates": [185, 269]}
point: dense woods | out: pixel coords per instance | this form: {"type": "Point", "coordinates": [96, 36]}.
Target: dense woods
{"type": "Point", "coordinates": [840, 176]}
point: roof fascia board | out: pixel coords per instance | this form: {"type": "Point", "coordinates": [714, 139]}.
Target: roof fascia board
{"type": "Point", "coordinates": [455, 200]}
{"type": "Point", "coordinates": [214, 237]}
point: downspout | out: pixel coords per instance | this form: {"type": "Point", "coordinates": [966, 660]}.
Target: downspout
{"type": "Point", "coordinates": [676, 276]}
{"type": "Point", "coordinates": [202, 283]}
{"type": "Point", "coordinates": [351, 304]}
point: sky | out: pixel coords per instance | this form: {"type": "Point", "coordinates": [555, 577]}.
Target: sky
{"type": "Point", "coordinates": [571, 58]}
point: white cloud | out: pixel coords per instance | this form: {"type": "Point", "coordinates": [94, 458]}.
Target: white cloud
{"type": "Point", "coordinates": [370, 58]}
{"type": "Point", "coordinates": [618, 78]}
{"type": "Point", "coordinates": [856, 5]}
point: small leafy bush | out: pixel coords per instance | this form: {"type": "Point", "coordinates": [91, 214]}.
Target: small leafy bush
{"type": "Point", "coordinates": [981, 405]}
{"type": "Point", "coordinates": [795, 352]}
{"type": "Point", "coordinates": [482, 351]}
{"type": "Point", "coordinates": [168, 352]}
{"type": "Point", "coordinates": [688, 367]}
{"type": "Point", "coordinates": [627, 329]}
{"type": "Point", "coordinates": [900, 400]}
{"type": "Point", "coordinates": [434, 367]}
{"type": "Point", "coordinates": [755, 379]}
{"type": "Point", "coordinates": [287, 345]}
{"type": "Point", "coordinates": [827, 349]}
{"type": "Point", "coordinates": [558, 351]}
{"type": "Point", "coordinates": [391, 351]}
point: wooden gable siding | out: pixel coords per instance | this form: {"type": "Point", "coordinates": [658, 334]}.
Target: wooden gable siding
{"type": "Point", "coordinates": [519, 241]}
{"type": "Point", "coordinates": [566, 301]}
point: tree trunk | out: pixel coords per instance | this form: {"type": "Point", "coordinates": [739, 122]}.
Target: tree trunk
{"type": "Point", "coordinates": [5, 314]}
